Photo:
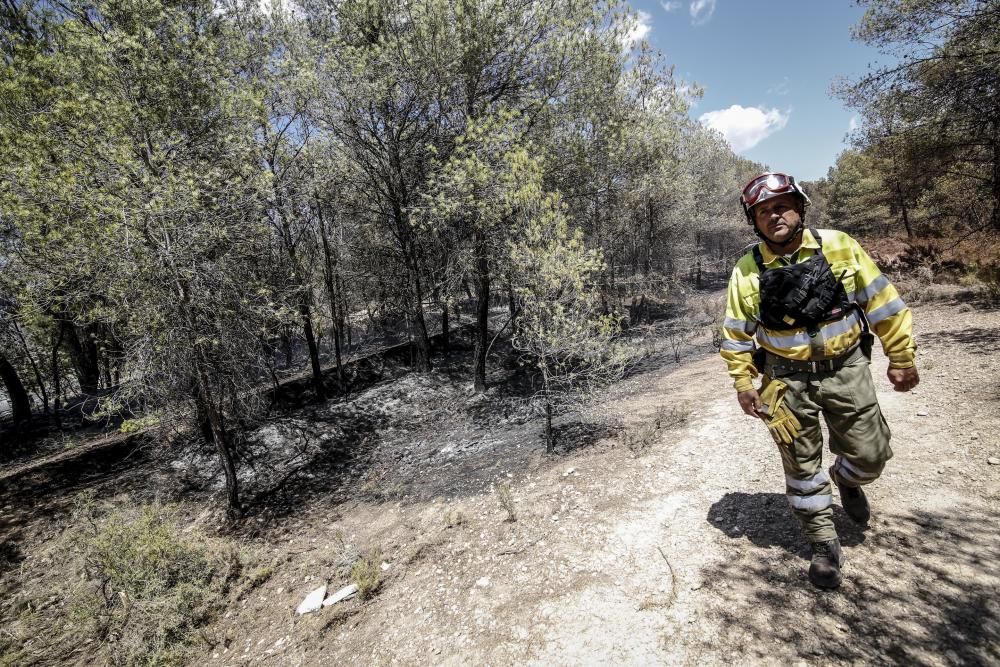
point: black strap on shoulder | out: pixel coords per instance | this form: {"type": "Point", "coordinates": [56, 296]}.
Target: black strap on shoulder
{"type": "Point", "coordinates": [757, 257]}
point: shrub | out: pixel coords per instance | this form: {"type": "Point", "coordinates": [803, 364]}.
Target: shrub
{"type": "Point", "coordinates": [506, 499]}
{"type": "Point", "coordinates": [144, 590]}
{"type": "Point", "coordinates": [366, 574]}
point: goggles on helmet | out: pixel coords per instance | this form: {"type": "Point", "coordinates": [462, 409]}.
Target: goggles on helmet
{"type": "Point", "coordinates": [766, 186]}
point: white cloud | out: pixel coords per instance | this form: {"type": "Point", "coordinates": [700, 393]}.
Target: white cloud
{"type": "Point", "coordinates": [637, 33]}
{"type": "Point", "coordinates": [670, 6]}
{"type": "Point", "coordinates": [638, 27]}
{"type": "Point", "coordinates": [745, 127]}
{"type": "Point", "coordinates": [853, 124]}
{"type": "Point", "coordinates": [701, 11]}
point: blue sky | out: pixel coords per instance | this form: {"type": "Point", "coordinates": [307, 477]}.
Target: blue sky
{"type": "Point", "coordinates": [766, 69]}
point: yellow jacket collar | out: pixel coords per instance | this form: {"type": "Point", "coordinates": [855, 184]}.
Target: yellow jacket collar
{"type": "Point", "coordinates": [808, 241]}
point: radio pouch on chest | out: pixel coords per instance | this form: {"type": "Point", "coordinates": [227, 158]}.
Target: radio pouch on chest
{"type": "Point", "coordinates": [800, 295]}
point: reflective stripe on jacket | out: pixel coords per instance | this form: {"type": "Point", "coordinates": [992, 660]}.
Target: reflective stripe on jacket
{"type": "Point", "coordinates": [889, 317]}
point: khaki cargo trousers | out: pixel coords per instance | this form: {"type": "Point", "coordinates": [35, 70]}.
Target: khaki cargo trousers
{"type": "Point", "coordinates": [859, 437]}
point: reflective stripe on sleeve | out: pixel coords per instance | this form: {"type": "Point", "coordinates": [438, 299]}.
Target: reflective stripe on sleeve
{"type": "Point", "coordinates": [864, 295]}
{"type": "Point", "coordinates": [737, 345]}
{"type": "Point", "coordinates": [811, 484]}
{"type": "Point", "coordinates": [739, 325]}
{"type": "Point", "coordinates": [886, 311]}
{"type": "Point", "coordinates": [810, 504]}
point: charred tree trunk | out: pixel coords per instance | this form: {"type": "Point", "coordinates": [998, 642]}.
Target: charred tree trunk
{"type": "Point", "coordinates": [482, 280]}
{"type": "Point", "coordinates": [904, 211]}
{"type": "Point", "coordinates": [57, 377]}
{"type": "Point", "coordinates": [317, 370]}
{"type": "Point", "coordinates": [421, 341]}
{"type": "Point", "coordinates": [39, 380]}
{"type": "Point", "coordinates": [445, 335]}
{"type": "Point", "coordinates": [550, 439]}
{"type": "Point", "coordinates": [19, 402]}
{"type": "Point", "coordinates": [84, 355]}
{"type": "Point", "coordinates": [330, 273]}
{"type": "Point", "coordinates": [216, 424]}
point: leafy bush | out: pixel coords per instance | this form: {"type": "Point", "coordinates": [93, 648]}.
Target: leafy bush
{"type": "Point", "coordinates": [144, 590]}
{"type": "Point", "coordinates": [990, 275]}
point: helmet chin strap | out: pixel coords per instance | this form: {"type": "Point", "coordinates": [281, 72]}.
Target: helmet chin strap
{"type": "Point", "coordinates": [781, 244]}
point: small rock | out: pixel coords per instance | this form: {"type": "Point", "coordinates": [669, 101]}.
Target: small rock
{"type": "Point", "coordinates": [993, 461]}
{"type": "Point", "coordinates": [385, 566]}
{"type": "Point", "coordinates": [922, 413]}
{"type": "Point", "coordinates": [312, 602]}
{"type": "Point", "coordinates": [483, 582]}
{"type": "Point", "coordinates": [569, 472]}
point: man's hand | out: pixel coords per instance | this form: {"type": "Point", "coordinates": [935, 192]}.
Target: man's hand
{"type": "Point", "coordinates": [902, 379]}
{"type": "Point", "coordinates": [750, 402]}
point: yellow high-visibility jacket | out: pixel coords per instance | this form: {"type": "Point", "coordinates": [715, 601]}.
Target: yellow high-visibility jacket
{"type": "Point", "coordinates": [890, 319]}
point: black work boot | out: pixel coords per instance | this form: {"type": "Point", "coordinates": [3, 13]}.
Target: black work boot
{"type": "Point", "coordinates": [853, 500]}
{"type": "Point", "coordinates": [824, 570]}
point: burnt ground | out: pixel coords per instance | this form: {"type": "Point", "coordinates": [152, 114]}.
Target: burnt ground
{"type": "Point", "coordinates": [679, 549]}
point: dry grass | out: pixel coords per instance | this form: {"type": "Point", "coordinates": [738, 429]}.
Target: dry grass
{"type": "Point", "coordinates": [366, 574]}
{"type": "Point", "coordinates": [506, 499]}
{"type": "Point", "coordinates": [130, 584]}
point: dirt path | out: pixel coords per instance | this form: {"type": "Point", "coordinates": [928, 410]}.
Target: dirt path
{"type": "Point", "coordinates": [685, 554]}
{"type": "Point", "coordinates": [682, 552]}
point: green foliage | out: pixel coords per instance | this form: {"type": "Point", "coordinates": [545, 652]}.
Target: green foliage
{"type": "Point", "coordinates": [366, 574]}
{"type": "Point", "coordinates": [138, 424]}
{"type": "Point", "coordinates": [136, 584]}
{"type": "Point", "coordinates": [929, 120]}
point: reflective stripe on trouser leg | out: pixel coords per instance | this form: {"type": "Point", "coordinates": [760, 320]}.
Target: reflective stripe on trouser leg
{"type": "Point", "coordinates": [851, 475]}
{"type": "Point", "coordinates": [809, 496]}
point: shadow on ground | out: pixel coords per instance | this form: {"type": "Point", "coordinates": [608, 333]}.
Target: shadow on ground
{"type": "Point", "coordinates": [919, 588]}
{"type": "Point", "coordinates": [765, 520]}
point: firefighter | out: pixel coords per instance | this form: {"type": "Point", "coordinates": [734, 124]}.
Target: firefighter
{"type": "Point", "coordinates": [800, 310]}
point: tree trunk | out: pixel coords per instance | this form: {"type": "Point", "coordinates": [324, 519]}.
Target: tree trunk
{"type": "Point", "coordinates": [221, 440]}
{"type": "Point", "coordinates": [445, 343]}
{"type": "Point", "coordinates": [19, 402]}
{"type": "Point", "coordinates": [57, 377]}
{"type": "Point", "coordinates": [331, 275]}
{"type": "Point", "coordinates": [550, 440]}
{"type": "Point", "coordinates": [422, 343]}
{"type": "Point", "coordinates": [84, 355]}
{"type": "Point", "coordinates": [39, 380]}
{"type": "Point", "coordinates": [904, 211]}
{"type": "Point", "coordinates": [482, 280]}
{"type": "Point", "coordinates": [317, 370]}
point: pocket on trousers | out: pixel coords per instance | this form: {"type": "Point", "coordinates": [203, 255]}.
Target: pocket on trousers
{"type": "Point", "coordinates": [858, 384]}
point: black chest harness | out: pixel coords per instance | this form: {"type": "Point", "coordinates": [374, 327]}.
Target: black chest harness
{"type": "Point", "coordinates": [803, 294]}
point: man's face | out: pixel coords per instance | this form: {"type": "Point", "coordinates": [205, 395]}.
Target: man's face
{"type": "Point", "coordinates": [778, 217]}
